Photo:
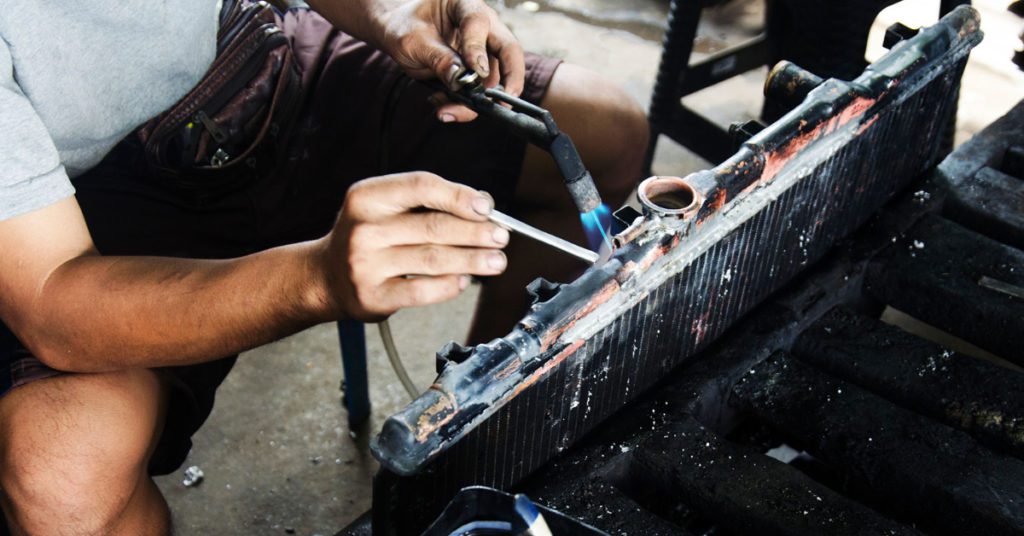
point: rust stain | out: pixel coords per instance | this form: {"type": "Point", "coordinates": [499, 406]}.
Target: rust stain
{"type": "Point", "coordinates": [658, 253]}
{"type": "Point", "coordinates": [428, 423]}
{"type": "Point", "coordinates": [776, 160]}
{"type": "Point", "coordinates": [716, 202]}
{"type": "Point", "coordinates": [512, 366]}
{"type": "Point", "coordinates": [541, 372]}
{"type": "Point", "coordinates": [630, 234]}
{"type": "Point", "coordinates": [699, 328]}
{"type": "Point", "coordinates": [603, 295]}
{"type": "Point", "coordinates": [857, 108]}
{"type": "Point", "coordinates": [612, 287]}
{"type": "Point", "coordinates": [867, 124]}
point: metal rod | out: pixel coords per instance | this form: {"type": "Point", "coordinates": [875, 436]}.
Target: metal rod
{"type": "Point", "coordinates": [1001, 286]}
{"type": "Point", "coordinates": [512, 224]}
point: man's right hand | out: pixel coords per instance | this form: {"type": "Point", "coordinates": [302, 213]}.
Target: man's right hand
{"type": "Point", "coordinates": [407, 240]}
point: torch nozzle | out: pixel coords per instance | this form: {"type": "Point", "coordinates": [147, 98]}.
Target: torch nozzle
{"type": "Point", "coordinates": [584, 193]}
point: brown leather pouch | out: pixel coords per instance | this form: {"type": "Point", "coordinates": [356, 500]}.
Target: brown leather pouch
{"type": "Point", "coordinates": [227, 126]}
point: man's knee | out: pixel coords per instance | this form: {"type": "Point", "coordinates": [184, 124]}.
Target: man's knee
{"type": "Point", "coordinates": [48, 497]}
{"type": "Point", "coordinates": [73, 450]}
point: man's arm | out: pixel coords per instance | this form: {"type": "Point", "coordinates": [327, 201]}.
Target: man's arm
{"type": "Point", "coordinates": [79, 311]}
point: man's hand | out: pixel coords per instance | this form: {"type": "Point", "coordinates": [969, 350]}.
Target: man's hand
{"type": "Point", "coordinates": [435, 38]}
{"type": "Point", "coordinates": [443, 38]}
{"type": "Point", "coordinates": [407, 240]}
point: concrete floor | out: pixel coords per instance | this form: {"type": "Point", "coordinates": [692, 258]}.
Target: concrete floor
{"type": "Point", "coordinates": [277, 454]}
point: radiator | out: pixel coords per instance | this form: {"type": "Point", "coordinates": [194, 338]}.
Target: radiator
{"type": "Point", "coordinates": [708, 248]}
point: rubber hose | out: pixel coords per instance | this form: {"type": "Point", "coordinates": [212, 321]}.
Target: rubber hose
{"type": "Point", "coordinates": [396, 360]}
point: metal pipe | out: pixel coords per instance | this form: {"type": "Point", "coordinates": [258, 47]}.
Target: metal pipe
{"type": "Point", "coordinates": [789, 84]}
{"type": "Point", "coordinates": [512, 224]}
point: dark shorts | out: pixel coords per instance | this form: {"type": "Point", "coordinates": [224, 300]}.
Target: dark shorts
{"type": "Point", "coordinates": [361, 118]}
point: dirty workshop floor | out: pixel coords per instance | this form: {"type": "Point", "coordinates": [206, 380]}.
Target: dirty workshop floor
{"type": "Point", "coordinates": [277, 455]}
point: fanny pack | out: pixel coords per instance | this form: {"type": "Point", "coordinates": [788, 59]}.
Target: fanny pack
{"type": "Point", "coordinates": [227, 126]}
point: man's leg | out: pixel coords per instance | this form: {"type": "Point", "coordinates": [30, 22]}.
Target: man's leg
{"type": "Point", "coordinates": [74, 451]}
{"type": "Point", "coordinates": [610, 131]}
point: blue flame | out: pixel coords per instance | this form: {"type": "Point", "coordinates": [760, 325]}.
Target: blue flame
{"type": "Point", "coordinates": [596, 224]}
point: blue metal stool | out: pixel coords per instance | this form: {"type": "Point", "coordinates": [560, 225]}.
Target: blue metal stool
{"type": "Point", "coordinates": [356, 384]}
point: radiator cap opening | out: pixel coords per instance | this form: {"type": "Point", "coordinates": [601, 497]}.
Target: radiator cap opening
{"type": "Point", "coordinates": [669, 196]}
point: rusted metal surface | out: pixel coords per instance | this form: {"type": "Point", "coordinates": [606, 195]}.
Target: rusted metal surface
{"type": "Point", "coordinates": [991, 201]}
{"type": "Point", "coordinates": [498, 411]}
{"type": "Point", "coordinates": [746, 491]}
{"type": "Point", "coordinates": [938, 474]}
{"type": "Point", "coordinates": [935, 272]}
{"type": "Point", "coordinates": [983, 399]}
{"type": "Point", "coordinates": [984, 177]}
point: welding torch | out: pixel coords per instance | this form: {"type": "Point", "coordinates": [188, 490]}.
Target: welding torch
{"type": "Point", "coordinates": [535, 125]}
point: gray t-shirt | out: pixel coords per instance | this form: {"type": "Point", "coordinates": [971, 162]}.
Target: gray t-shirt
{"type": "Point", "coordinates": [76, 77]}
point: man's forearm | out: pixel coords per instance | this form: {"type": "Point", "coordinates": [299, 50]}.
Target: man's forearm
{"type": "Point", "coordinates": [98, 313]}
{"type": "Point", "coordinates": [359, 18]}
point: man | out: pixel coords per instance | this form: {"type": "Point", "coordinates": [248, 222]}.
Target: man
{"type": "Point", "coordinates": [121, 295]}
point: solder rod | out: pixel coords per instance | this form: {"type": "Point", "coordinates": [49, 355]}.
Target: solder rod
{"type": "Point", "coordinates": [512, 224]}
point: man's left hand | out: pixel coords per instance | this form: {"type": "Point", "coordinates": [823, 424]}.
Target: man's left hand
{"type": "Point", "coordinates": [436, 38]}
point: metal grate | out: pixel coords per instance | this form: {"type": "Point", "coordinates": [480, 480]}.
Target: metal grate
{"type": "Point", "coordinates": [895, 434]}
